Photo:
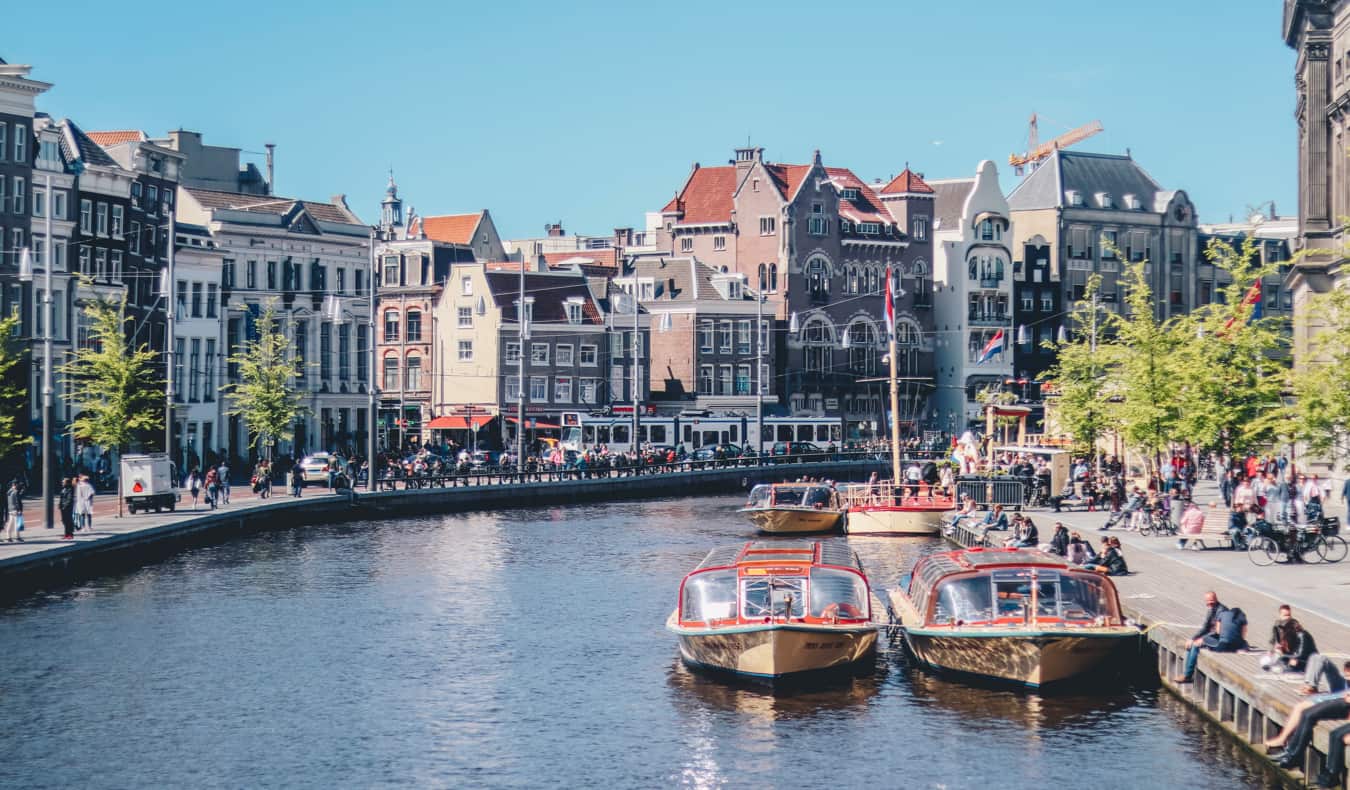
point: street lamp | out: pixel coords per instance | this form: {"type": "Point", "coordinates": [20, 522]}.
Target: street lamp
{"type": "Point", "coordinates": [26, 275]}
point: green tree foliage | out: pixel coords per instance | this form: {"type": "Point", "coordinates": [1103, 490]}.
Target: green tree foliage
{"type": "Point", "coordinates": [1227, 365]}
{"type": "Point", "coordinates": [1080, 372]}
{"type": "Point", "coordinates": [12, 393]}
{"type": "Point", "coordinates": [1320, 413]}
{"type": "Point", "coordinates": [113, 387]}
{"type": "Point", "coordinates": [1143, 368]}
{"type": "Point", "coordinates": [265, 396]}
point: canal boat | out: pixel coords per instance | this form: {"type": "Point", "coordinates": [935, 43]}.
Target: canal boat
{"type": "Point", "coordinates": [794, 508]}
{"type": "Point", "coordinates": [772, 611]}
{"type": "Point", "coordinates": [883, 509]}
{"type": "Point", "coordinates": [1016, 615]}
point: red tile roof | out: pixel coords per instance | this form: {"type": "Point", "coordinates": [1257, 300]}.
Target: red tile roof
{"type": "Point", "coordinates": [452, 228]}
{"type": "Point", "coordinates": [706, 196]}
{"type": "Point", "coordinates": [106, 139]}
{"type": "Point", "coordinates": [867, 207]}
{"type": "Point", "coordinates": [907, 181]}
{"type": "Point", "coordinates": [607, 257]}
{"type": "Point", "coordinates": [788, 178]}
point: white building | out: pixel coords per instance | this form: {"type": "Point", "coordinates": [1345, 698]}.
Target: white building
{"type": "Point", "coordinates": [296, 254]}
{"type": "Point", "coordinates": [972, 292]}
{"type": "Point", "coordinates": [199, 342]}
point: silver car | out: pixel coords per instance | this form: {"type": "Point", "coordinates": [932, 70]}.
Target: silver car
{"type": "Point", "coordinates": [314, 468]}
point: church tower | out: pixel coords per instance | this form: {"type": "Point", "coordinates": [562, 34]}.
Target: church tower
{"type": "Point", "coordinates": [391, 210]}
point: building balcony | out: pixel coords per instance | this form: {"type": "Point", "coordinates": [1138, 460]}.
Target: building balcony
{"type": "Point", "coordinates": [990, 319]}
{"type": "Point", "coordinates": [991, 282]}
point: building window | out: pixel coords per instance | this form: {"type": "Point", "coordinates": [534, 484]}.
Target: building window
{"type": "Point", "coordinates": [3, 141]}
{"type": "Point", "coordinates": [414, 326]}
{"type": "Point", "coordinates": [465, 350]}
{"type": "Point", "coordinates": [86, 216]}
{"type": "Point", "coordinates": [465, 315]}
{"type": "Point", "coordinates": [539, 353]}
{"type": "Point", "coordinates": [196, 300]}
{"type": "Point", "coordinates": [100, 219]}
{"type": "Point", "coordinates": [513, 388]}
{"type": "Point", "coordinates": [724, 382]}
{"type": "Point", "coordinates": [414, 373]}
{"type": "Point", "coordinates": [719, 243]}
{"type": "Point", "coordinates": [818, 345]}
{"type": "Point", "coordinates": [539, 389]}
{"type": "Point", "coordinates": [117, 218]}
{"type": "Point", "coordinates": [773, 278]}
{"type": "Point", "coordinates": [179, 364]}
{"type": "Point", "coordinates": [58, 205]}
{"type": "Point", "coordinates": [574, 312]}
{"type": "Point", "coordinates": [325, 351]}
{"type": "Point", "coordinates": [768, 226]}
{"type": "Point", "coordinates": [251, 275]}
{"type": "Point", "coordinates": [743, 336]}
{"type": "Point", "coordinates": [391, 374]}
{"type": "Point", "coordinates": [391, 326]}
{"type": "Point", "coordinates": [1108, 245]}
{"type": "Point", "coordinates": [513, 352]}
{"type": "Point", "coordinates": [116, 272]}
{"type": "Point", "coordinates": [84, 260]}
{"type": "Point", "coordinates": [819, 226]}
{"type": "Point", "coordinates": [362, 352]}
{"type": "Point", "coordinates": [209, 371]}
{"type": "Point", "coordinates": [39, 201]}
{"type": "Point", "coordinates": [686, 244]}
{"type": "Point", "coordinates": [588, 355]}
{"type": "Point", "coordinates": [562, 389]}
{"type": "Point", "coordinates": [212, 298]}
{"type": "Point", "coordinates": [1047, 302]}
{"type": "Point", "coordinates": [466, 286]}
{"type": "Point", "coordinates": [227, 274]}
{"type": "Point", "coordinates": [705, 380]}
{"type": "Point", "coordinates": [151, 199]}
{"type": "Point", "coordinates": [136, 194]}
{"type": "Point", "coordinates": [742, 379]}
{"type": "Point", "coordinates": [705, 336]}
{"type": "Point", "coordinates": [586, 390]}
{"type": "Point", "coordinates": [725, 345]}
{"type": "Point", "coordinates": [20, 143]}
{"type": "Point", "coordinates": [1028, 302]}
{"type": "Point", "coordinates": [564, 355]}
{"type": "Point", "coordinates": [818, 279]}
{"type": "Point", "coordinates": [919, 227]}
{"type": "Point", "coordinates": [862, 351]}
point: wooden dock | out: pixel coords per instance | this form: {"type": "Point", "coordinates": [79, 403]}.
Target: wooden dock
{"type": "Point", "coordinates": [1164, 593]}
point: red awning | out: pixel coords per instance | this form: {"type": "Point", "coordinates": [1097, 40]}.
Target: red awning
{"type": "Point", "coordinates": [534, 424]}
{"type": "Point", "coordinates": [458, 423]}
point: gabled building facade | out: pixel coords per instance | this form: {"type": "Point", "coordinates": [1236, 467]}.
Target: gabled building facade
{"type": "Point", "coordinates": [972, 294]}
{"type": "Point", "coordinates": [475, 231]}
{"type": "Point", "coordinates": [818, 241]}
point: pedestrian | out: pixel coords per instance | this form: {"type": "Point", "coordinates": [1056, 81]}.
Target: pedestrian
{"type": "Point", "coordinates": [14, 508]}
{"type": "Point", "coordinates": [66, 505]}
{"type": "Point", "coordinates": [193, 484]}
{"type": "Point", "coordinates": [1223, 631]}
{"type": "Point", "coordinates": [212, 486]}
{"type": "Point", "coordinates": [84, 504]}
{"type": "Point", "coordinates": [223, 476]}
{"type": "Point", "coordinates": [297, 481]}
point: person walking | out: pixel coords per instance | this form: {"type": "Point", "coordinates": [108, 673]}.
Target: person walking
{"type": "Point", "coordinates": [14, 509]}
{"type": "Point", "coordinates": [223, 477]}
{"type": "Point", "coordinates": [84, 504]}
{"type": "Point", "coordinates": [297, 481]}
{"type": "Point", "coordinates": [65, 503]}
{"type": "Point", "coordinates": [194, 484]}
{"type": "Point", "coordinates": [212, 487]}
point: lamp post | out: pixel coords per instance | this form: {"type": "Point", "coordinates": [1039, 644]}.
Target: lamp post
{"type": "Point", "coordinates": [171, 301]}
{"type": "Point", "coordinates": [759, 373]}
{"type": "Point", "coordinates": [26, 275]}
{"type": "Point", "coordinates": [371, 420]}
{"type": "Point", "coordinates": [637, 362]}
{"type": "Point", "coordinates": [522, 334]}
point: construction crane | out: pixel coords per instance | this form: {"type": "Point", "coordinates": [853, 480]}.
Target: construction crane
{"type": "Point", "coordinates": [1038, 152]}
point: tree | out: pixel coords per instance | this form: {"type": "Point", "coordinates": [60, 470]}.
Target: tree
{"type": "Point", "coordinates": [1143, 367]}
{"type": "Point", "coordinates": [114, 387]}
{"type": "Point", "coordinates": [265, 396]}
{"type": "Point", "coordinates": [1080, 372]}
{"type": "Point", "coordinates": [12, 392]}
{"type": "Point", "coordinates": [1228, 366]}
{"type": "Point", "coordinates": [1320, 413]}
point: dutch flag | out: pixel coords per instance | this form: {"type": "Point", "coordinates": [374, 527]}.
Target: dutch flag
{"type": "Point", "coordinates": [992, 348]}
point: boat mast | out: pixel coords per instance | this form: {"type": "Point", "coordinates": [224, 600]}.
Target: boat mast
{"type": "Point", "coordinates": [895, 418]}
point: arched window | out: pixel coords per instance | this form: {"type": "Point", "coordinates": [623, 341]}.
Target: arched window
{"type": "Point", "coordinates": [851, 285]}
{"type": "Point", "coordinates": [818, 341]}
{"type": "Point", "coordinates": [391, 326]}
{"type": "Point", "coordinates": [391, 374]}
{"type": "Point", "coordinates": [763, 277]}
{"type": "Point", "coordinates": [974, 268]}
{"type": "Point", "coordinates": [773, 278]}
{"type": "Point", "coordinates": [414, 326]}
{"type": "Point", "coordinates": [920, 283]}
{"type": "Point", "coordinates": [818, 279]}
{"type": "Point", "coordinates": [862, 348]}
{"type": "Point", "coordinates": [413, 374]}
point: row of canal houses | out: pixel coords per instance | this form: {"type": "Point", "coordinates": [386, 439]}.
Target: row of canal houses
{"type": "Point", "coordinates": [754, 282]}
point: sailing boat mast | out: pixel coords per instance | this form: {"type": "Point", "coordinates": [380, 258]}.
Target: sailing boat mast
{"type": "Point", "coordinates": [895, 417]}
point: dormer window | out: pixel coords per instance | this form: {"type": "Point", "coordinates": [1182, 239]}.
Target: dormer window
{"type": "Point", "coordinates": [1132, 202]}
{"type": "Point", "coordinates": [1104, 200]}
{"type": "Point", "coordinates": [850, 193]}
{"type": "Point", "coordinates": [1074, 197]}
{"type": "Point", "coordinates": [869, 228]}
{"type": "Point", "coordinates": [573, 311]}
{"type": "Point", "coordinates": [734, 289]}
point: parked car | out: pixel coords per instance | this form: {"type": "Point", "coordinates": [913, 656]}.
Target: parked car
{"type": "Point", "coordinates": [314, 468]}
{"type": "Point", "coordinates": [787, 449]}
{"type": "Point", "coordinates": [712, 452]}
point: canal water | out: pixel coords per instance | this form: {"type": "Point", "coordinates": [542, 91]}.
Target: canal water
{"type": "Point", "coordinates": [521, 648]}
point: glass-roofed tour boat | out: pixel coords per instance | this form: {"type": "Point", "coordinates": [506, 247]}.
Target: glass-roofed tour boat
{"type": "Point", "coordinates": [794, 508]}
{"type": "Point", "coordinates": [773, 610]}
{"type": "Point", "coordinates": [1017, 615]}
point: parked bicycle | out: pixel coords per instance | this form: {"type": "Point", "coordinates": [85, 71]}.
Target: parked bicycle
{"type": "Point", "coordinates": [1308, 543]}
{"type": "Point", "coordinates": [1157, 522]}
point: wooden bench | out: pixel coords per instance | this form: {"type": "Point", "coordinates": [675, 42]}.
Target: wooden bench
{"type": "Point", "coordinates": [1214, 531]}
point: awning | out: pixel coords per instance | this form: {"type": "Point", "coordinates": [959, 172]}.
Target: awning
{"type": "Point", "coordinates": [531, 423]}
{"type": "Point", "coordinates": [459, 423]}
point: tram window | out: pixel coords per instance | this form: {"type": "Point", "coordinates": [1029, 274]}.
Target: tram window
{"type": "Point", "coordinates": [804, 433]}
{"type": "Point", "coordinates": [588, 434]}
{"type": "Point", "coordinates": [602, 434]}
{"type": "Point", "coordinates": [658, 434]}
{"type": "Point", "coordinates": [688, 434]}
{"type": "Point", "coordinates": [822, 433]}
{"type": "Point", "coordinates": [642, 433]}
{"type": "Point", "coordinates": [835, 433]}
{"type": "Point", "coordinates": [734, 431]}
{"type": "Point", "coordinates": [785, 433]}
{"type": "Point", "coordinates": [620, 434]}
{"type": "Point", "coordinates": [726, 437]}
{"type": "Point", "coordinates": [709, 437]}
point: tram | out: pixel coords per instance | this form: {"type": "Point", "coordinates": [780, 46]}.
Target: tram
{"type": "Point", "coordinates": [694, 429]}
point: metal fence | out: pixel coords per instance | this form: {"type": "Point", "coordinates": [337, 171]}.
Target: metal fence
{"type": "Point", "coordinates": [989, 491]}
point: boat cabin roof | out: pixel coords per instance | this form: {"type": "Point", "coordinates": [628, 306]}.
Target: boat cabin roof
{"type": "Point", "coordinates": [766, 553]}
{"type": "Point", "coordinates": [987, 559]}
{"type": "Point", "coordinates": [794, 485]}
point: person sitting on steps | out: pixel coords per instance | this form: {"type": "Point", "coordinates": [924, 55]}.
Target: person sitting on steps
{"type": "Point", "coordinates": [1221, 632]}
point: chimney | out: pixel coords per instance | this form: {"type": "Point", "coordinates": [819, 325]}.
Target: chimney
{"type": "Point", "coordinates": [623, 237]}
{"type": "Point", "coordinates": [555, 229]}
{"type": "Point", "coordinates": [271, 151]}
{"type": "Point", "coordinates": [747, 157]}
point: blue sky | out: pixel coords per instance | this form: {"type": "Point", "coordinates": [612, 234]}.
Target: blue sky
{"type": "Point", "coordinates": [592, 115]}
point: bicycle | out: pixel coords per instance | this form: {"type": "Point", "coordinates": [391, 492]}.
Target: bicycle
{"type": "Point", "coordinates": [1297, 544]}
{"type": "Point", "coordinates": [1159, 522]}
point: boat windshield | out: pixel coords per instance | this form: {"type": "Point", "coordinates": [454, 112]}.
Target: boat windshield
{"type": "Point", "coordinates": [817, 497]}
{"type": "Point", "coordinates": [760, 496]}
{"type": "Point", "coordinates": [1024, 594]}
{"type": "Point", "coordinates": [773, 596]}
{"type": "Point", "coordinates": [709, 596]}
{"type": "Point", "coordinates": [838, 594]}
{"type": "Point", "coordinates": [788, 496]}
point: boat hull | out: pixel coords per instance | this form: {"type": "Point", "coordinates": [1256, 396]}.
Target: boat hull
{"type": "Point", "coordinates": [774, 651]}
{"type": "Point", "coordinates": [793, 521]}
{"type": "Point", "coordinates": [893, 521]}
{"type": "Point", "coordinates": [1031, 658]}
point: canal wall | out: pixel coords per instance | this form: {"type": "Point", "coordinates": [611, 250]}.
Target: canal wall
{"type": "Point", "coordinates": [50, 563]}
{"type": "Point", "coordinates": [1163, 593]}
